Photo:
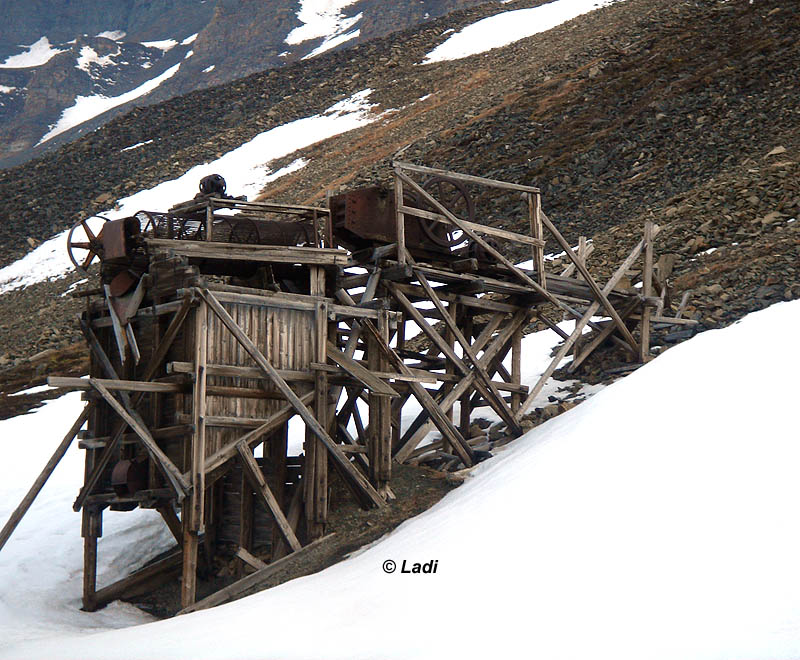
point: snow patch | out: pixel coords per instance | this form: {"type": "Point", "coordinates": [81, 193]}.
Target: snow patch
{"type": "Point", "coordinates": [189, 40]}
{"type": "Point", "coordinates": [329, 44]}
{"type": "Point", "coordinates": [506, 28]}
{"type": "Point", "coordinates": [324, 19]}
{"type": "Point", "coordinates": [36, 54]}
{"type": "Point", "coordinates": [7, 90]}
{"type": "Point", "coordinates": [209, 69]}
{"type": "Point", "coordinates": [137, 145]}
{"type": "Point", "coordinates": [87, 107]}
{"type": "Point", "coordinates": [114, 35]}
{"type": "Point", "coordinates": [165, 44]}
{"type": "Point", "coordinates": [88, 55]}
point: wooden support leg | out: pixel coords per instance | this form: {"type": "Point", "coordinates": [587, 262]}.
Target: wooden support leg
{"type": "Point", "coordinates": [465, 414]}
{"type": "Point", "coordinates": [91, 530]}
{"type": "Point", "coordinates": [193, 507]}
{"type": "Point", "coordinates": [516, 367]}
{"type": "Point", "coordinates": [647, 286]}
{"type": "Point", "coordinates": [276, 449]}
{"type": "Point", "coordinates": [379, 434]}
{"type": "Point", "coordinates": [190, 548]}
{"type": "Point", "coordinates": [246, 511]}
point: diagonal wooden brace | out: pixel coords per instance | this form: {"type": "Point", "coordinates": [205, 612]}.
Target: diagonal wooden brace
{"type": "Point", "coordinates": [493, 394]}
{"type": "Point", "coordinates": [155, 362]}
{"type": "Point", "coordinates": [464, 385]}
{"type": "Point", "coordinates": [579, 325]}
{"type": "Point", "coordinates": [441, 420]}
{"type": "Point", "coordinates": [132, 419]}
{"type": "Point", "coordinates": [254, 475]}
{"type": "Point", "coordinates": [599, 295]}
{"type": "Point", "coordinates": [17, 515]}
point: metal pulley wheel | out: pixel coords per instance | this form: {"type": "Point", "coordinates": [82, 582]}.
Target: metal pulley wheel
{"type": "Point", "coordinates": [82, 250]}
{"type": "Point", "coordinates": [455, 197]}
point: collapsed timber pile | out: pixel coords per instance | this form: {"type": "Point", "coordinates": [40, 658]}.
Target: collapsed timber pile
{"type": "Point", "coordinates": [217, 322]}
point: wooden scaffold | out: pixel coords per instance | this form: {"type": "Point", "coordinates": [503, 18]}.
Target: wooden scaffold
{"type": "Point", "coordinates": [219, 321]}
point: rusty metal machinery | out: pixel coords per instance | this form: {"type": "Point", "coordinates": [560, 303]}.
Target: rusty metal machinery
{"type": "Point", "coordinates": [366, 217]}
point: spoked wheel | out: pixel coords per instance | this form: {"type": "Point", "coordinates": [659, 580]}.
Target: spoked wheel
{"type": "Point", "coordinates": [191, 229]}
{"type": "Point", "coordinates": [83, 244]}
{"type": "Point", "coordinates": [455, 197]}
{"type": "Point", "coordinates": [148, 224]}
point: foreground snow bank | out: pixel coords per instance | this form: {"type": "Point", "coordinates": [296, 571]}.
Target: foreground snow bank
{"type": "Point", "coordinates": [41, 565]}
{"type": "Point", "coordinates": [659, 519]}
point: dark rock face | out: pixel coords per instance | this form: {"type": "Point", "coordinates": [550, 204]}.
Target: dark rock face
{"type": "Point", "coordinates": [235, 38]}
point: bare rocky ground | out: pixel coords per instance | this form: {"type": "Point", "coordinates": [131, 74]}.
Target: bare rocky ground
{"type": "Point", "coordinates": [684, 113]}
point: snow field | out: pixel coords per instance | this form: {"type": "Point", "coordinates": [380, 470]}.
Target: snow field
{"type": "Point", "coordinates": [36, 54]}
{"type": "Point", "coordinates": [656, 520]}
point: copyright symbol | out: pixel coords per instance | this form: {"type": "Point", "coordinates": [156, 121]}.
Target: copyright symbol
{"type": "Point", "coordinates": [389, 566]}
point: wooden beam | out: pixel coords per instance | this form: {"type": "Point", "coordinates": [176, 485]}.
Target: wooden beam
{"type": "Point", "coordinates": [173, 475]}
{"type": "Point", "coordinates": [579, 325]}
{"type": "Point", "coordinates": [647, 286]}
{"type": "Point", "coordinates": [464, 385]}
{"type": "Point", "coordinates": [281, 416]}
{"type": "Point", "coordinates": [252, 581]}
{"type": "Point", "coordinates": [282, 254]}
{"type": "Point", "coordinates": [441, 420]}
{"type": "Point", "coordinates": [160, 569]}
{"type": "Point", "coordinates": [467, 178]}
{"type": "Point", "coordinates": [44, 475]}
{"type": "Point", "coordinates": [359, 372]}
{"type": "Point", "coordinates": [598, 293]}
{"type": "Point", "coordinates": [356, 480]}
{"type": "Point", "coordinates": [259, 484]}
{"type": "Point", "coordinates": [250, 559]}
{"type": "Point", "coordinates": [67, 382]}
{"type": "Point", "coordinates": [474, 226]}
{"type": "Point", "coordinates": [489, 391]}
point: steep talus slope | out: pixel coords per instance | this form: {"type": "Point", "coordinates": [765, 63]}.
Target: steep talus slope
{"type": "Point", "coordinates": [645, 109]}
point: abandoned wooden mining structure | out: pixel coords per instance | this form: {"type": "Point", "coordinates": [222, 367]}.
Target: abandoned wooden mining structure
{"type": "Point", "coordinates": [220, 320]}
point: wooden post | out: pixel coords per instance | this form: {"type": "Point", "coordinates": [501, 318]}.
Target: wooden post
{"type": "Point", "coordinates": [465, 404]}
{"type": "Point", "coordinates": [91, 530]}
{"type": "Point", "coordinates": [516, 367]}
{"type": "Point", "coordinates": [535, 218]}
{"type": "Point", "coordinates": [316, 471]}
{"type": "Point", "coordinates": [379, 432]}
{"type": "Point", "coordinates": [647, 287]}
{"type": "Point", "coordinates": [276, 448]}
{"type": "Point", "coordinates": [193, 506]}
{"type": "Point", "coordinates": [401, 218]}
{"type": "Point", "coordinates": [245, 518]}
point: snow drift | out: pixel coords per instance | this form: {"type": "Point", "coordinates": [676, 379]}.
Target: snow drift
{"type": "Point", "coordinates": [659, 519]}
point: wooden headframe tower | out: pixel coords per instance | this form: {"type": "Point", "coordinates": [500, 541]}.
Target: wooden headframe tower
{"type": "Point", "coordinates": [219, 321]}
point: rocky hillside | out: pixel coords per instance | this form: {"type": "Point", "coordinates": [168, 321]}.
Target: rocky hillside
{"type": "Point", "coordinates": [680, 112]}
{"type": "Point", "coordinates": [66, 68]}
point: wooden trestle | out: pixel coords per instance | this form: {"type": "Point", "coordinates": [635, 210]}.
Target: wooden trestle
{"type": "Point", "coordinates": [191, 373]}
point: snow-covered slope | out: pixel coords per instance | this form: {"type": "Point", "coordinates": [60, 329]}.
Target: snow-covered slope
{"type": "Point", "coordinates": [656, 520]}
